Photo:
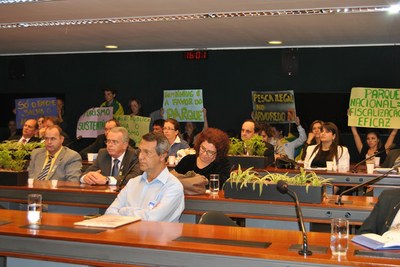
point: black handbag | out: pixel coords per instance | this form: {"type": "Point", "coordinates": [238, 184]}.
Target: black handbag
{"type": "Point", "coordinates": [285, 163]}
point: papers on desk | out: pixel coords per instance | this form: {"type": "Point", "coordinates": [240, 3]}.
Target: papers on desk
{"type": "Point", "coordinates": [108, 221]}
{"type": "Point", "coordinates": [383, 170]}
{"type": "Point", "coordinates": [389, 240]}
{"type": "Point", "coordinates": [316, 169]}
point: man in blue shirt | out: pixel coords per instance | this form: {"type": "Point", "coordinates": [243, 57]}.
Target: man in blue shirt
{"type": "Point", "coordinates": [156, 195]}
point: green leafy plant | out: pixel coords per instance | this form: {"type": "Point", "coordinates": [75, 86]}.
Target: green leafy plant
{"type": "Point", "coordinates": [249, 177]}
{"type": "Point", "coordinates": [253, 146]}
{"type": "Point", "coordinates": [14, 155]}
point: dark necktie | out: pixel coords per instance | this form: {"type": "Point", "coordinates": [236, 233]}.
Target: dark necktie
{"type": "Point", "coordinates": [24, 141]}
{"type": "Point", "coordinates": [115, 169]}
{"type": "Point", "coordinates": [45, 171]}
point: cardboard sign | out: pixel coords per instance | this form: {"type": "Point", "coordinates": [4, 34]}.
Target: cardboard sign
{"type": "Point", "coordinates": [374, 108]}
{"type": "Point", "coordinates": [33, 108]}
{"type": "Point", "coordinates": [92, 122]}
{"type": "Point", "coordinates": [273, 106]}
{"type": "Point", "coordinates": [137, 126]}
{"type": "Point", "coordinates": [183, 105]}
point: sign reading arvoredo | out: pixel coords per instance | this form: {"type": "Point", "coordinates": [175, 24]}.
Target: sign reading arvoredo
{"type": "Point", "coordinates": [183, 105]}
{"type": "Point", "coordinates": [137, 126]}
{"type": "Point", "coordinates": [273, 106]}
{"type": "Point", "coordinates": [374, 107]}
{"type": "Point", "coordinates": [91, 123]}
{"type": "Point", "coordinates": [33, 108]}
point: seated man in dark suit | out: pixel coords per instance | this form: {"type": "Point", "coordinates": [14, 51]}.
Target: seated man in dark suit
{"type": "Point", "coordinates": [54, 161]}
{"type": "Point", "coordinates": [384, 215]}
{"type": "Point", "coordinates": [101, 139]}
{"type": "Point", "coordinates": [28, 132]}
{"type": "Point", "coordinates": [392, 157]}
{"type": "Point", "coordinates": [115, 163]}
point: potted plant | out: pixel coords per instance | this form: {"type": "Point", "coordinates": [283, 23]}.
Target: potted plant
{"type": "Point", "coordinates": [248, 184]}
{"type": "Point", "coordinates": [248, 153]}
{"type": "Point", "coordinates": [13, 161]}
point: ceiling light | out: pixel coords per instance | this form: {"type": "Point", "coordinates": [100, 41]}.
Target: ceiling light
{"type": "Point", "coordinates": [5, 2]}
{"type": "Point", "coordinates": [111, 46]}
{"type": "Point", "coordinates": [275, 42]}
{"type": "Point", "coordinates": [394, 9]}
{"type": "Point", "coordinates": [197, 16]}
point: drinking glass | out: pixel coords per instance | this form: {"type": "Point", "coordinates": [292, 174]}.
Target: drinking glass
{"type": "Point", "coordinates": [214, 184]}
{"type": "Point", "coordinates": [34, 209]}
{"type": "Point", "coordinates": [339, 236]}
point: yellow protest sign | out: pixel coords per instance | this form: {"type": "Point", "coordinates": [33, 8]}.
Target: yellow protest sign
{"type": "Point", "coordinates": [137, 126]}
{"type": "Point", "coordinates": [374, 107]}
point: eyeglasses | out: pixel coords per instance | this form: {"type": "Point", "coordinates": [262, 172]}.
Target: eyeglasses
{"type": "Point", "coordinates": [109, 141]}
{"type": "Point", "coordinates": [208, 152]}
{"type": "Point", "coordinates": [168, 129]}
{"type": "Point", "coordinates": [146, 152]}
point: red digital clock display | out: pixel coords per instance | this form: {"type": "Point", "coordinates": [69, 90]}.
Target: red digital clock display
{"type": "Point", "coordinates": [195, 55]}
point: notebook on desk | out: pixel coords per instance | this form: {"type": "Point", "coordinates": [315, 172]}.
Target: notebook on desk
{"type": "Point", "coordinates": [108, 221]}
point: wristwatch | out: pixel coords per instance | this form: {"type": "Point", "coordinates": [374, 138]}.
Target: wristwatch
{"type": "Point", "coordinates": [107, 180]}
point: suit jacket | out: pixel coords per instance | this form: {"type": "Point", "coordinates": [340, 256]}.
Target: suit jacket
{"type": "Point", "coordinates": [342, 150]}
{"type": "Point", "coordinates": [97, 145]}
{"type": "Point", "coordinates": [383, 214]}
{"type": "Point", "coordinates": [67, 167]}
{"type": "Point", "coordinates": [391, 158]}
{"type": "Point", "coordinates": [129, 167]}
{"type": "Point", "coordinates": [32, 139]}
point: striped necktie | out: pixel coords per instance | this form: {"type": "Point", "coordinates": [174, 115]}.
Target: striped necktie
{"type": "Point", "coordinates": [45, 171]}
{"type": "Point", "coordinates": [115, 169]}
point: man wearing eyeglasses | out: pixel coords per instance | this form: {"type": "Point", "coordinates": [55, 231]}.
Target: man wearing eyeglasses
{"type": "Point", "coordinates": [157, 195]}
{"type": "Point", "coordinates": [100, 141]}
{"type": "Point", "coordinates": [55, 161]}
{"type": "Point", "coordinates": [115, 164]}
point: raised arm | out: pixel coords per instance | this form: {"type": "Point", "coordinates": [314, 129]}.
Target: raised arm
{"type": "Point", "coordinates": [390, 139]}
{"type": "Point", "coordinates": [357, 139]}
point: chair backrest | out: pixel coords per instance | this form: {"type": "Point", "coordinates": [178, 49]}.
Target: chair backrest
{"type": "Point", "coordinates": [391, 158]}
{"type": "Point", "coordinates": [216, 218]}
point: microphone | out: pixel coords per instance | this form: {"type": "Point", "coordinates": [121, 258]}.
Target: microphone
{"type": "Point", "coordinates": [122, 181]}
{"type": "Point", "coordinates": [282, 187]}
{"type": "Point", "coordinates": [376, 179]}
{"type": "Point", "coordinates": [370, 157]}
{"type": "Point", "coordinates": [79, 138]}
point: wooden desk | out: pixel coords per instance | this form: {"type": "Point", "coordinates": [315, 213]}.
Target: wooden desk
{"type": "Point", "coordinates": [155, 244]}
{"type": "Point", "coordinates": [78, 198]}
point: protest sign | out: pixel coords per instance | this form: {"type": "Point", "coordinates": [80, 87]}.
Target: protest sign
{"type": "Point", "coordinates": [183, 105]}
{"type": "Point", "coordinates": [92, 122]}
{"type": "Point", "coordinates": [374, 108]}
{"type": "Point", "coordinates": [273, 106]}
{"type": "Point", "coordinates": [137, 126]}
{"type": "Point", "coordinates": [33, 108]}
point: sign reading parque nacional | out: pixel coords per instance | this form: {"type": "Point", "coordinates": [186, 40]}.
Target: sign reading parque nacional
{"type": "Point", "coordinates": [273, 106]}
{"type": "Point", "coordinates": [374, 108]}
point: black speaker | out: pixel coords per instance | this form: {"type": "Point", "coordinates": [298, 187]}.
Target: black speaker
{"type": "Point", "coordinates": [290, 61]}
{"type": "Point", "coordinates": [16, 68]}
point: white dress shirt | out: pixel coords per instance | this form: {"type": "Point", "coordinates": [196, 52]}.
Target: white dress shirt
{"type": "Point", "coordinates": [160, 200]}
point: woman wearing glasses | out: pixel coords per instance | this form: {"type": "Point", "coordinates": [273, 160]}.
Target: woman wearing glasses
{"type": "Point", "coordinates": [211, 149]}
{"type": "Point", "coordinates": [171, 130]}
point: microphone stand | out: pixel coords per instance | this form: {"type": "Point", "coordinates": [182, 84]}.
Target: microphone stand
{"type": "Point", "coordinates": [283, 188]}
{"type": "Point", "coordinates": [122, 181]}
{"type": "Point", "coordinates": [354, 170]}
{"type": "Point", "coordinates": [304, 251]}
{"type": "Point", "coordinates": [374, 180]}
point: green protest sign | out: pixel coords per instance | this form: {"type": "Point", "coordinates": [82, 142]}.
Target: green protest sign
{"type": "Point", "coordinates": [374, 107]}
{"type": "Point", "coordinates": [183, 105]}
{"type": "Point", "coordinates": [137, 126]}
{"type": "Point", "coordinates": [273, 106]}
